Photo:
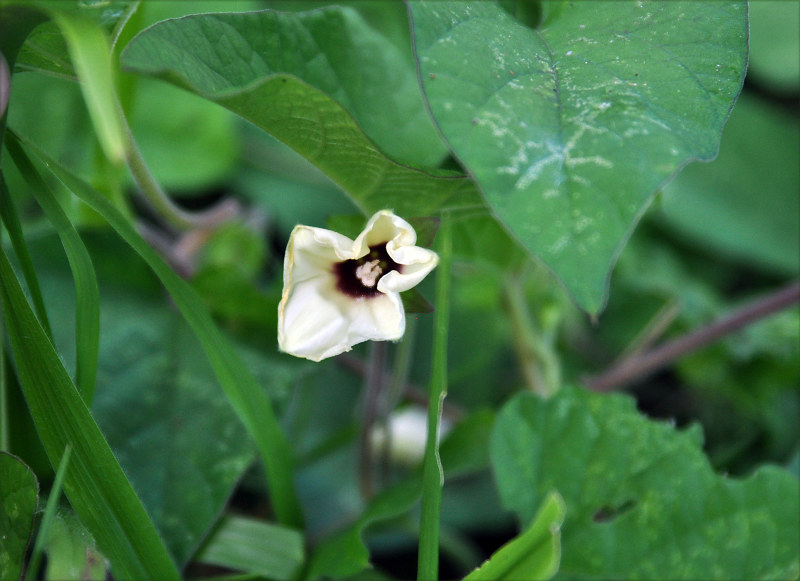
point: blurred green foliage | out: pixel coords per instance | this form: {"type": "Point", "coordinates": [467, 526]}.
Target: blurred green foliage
{"type": "Point", "coordinates": [716, 237]}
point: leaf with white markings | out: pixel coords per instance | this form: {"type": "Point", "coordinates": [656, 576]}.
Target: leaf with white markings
{"type": "Point", "coordinates": [569, 129]}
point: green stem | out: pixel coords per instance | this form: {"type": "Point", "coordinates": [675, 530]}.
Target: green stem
{"type": "Point", "coordinates": [397, 384]}
{"type": "Point", "coordinates": [537, 361]}
{"type": "Point", "coordinates": [159, 199]}
{"type": "Point", "coordinates": [372, 396]}
{"type": "Point", "coordinates": [432, 475]}
{"type": "Point", "coordinates": [4, 436]}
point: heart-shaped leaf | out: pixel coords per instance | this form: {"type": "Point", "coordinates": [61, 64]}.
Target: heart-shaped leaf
{"type": "Point", "coordinates": [570, 129]}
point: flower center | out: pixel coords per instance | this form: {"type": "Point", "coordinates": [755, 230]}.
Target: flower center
{"type": "Point", "coordinates": [358, 278]}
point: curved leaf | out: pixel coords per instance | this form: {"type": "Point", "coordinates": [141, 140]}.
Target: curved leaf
{"type": "Point", "coordinates": [332, 49]}
{"type": "Point", "coordinates": [570, 129]}
{"type": "Point", "coordinates": [297, 76]}
{"type": "Point", "coordinates": [534, 554]}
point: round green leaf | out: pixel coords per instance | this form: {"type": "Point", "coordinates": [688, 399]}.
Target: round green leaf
{"type": "Point", "coordinates": [571, 128]}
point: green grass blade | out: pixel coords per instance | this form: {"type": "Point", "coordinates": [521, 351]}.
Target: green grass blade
{"type": "Point", "coordinates": [87, 309]}
{"type": "Point", "coordinates": [432, 475]}
{"type": "Point", "coordinates": [8, 214]}
{"type": "Point", "coordinates": [90, 52]}
{"type": "Point", "coordinates": [248, 398]}
{"type": "Point", "coordinates": [94, 483]}
{"type": "Point", "coordinates": [252, 546]}
{"type": "Point", "coordinates": [49, 513]}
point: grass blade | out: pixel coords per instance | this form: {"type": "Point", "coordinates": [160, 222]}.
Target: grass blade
{"type": "Point", "coordinates": [49, 512]}
{"type": "Point", "coordinates": [95, 484]}
{"type": "Point", "coordinates": [10, 218]}
{"type": "Point", "coordinates": [89, 51]}
{"type": "Point", "coordinates": [87, 309]}
{"type": "Point", "coordinates": [252, 546]}
{"type": "Point", "coordinates": [248, 399]}
{"type": "Point", "coordinates": [432, 475]}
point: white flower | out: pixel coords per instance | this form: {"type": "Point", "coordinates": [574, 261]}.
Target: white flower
{"type": "Point", "coordinates": [338, 292]}
{"type": "Point", "coordinates": [407, 432]}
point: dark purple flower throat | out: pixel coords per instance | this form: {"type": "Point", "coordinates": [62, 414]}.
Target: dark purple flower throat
{"type": "Point", "coordinates": [358, 278]}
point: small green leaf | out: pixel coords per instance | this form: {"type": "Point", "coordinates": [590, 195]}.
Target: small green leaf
{"type": "Point", "coordinates": [534, 554]}
{"type": "Point", "coordinates": [571, 128]}
{"type": "Point", "coordinates": [71, 551]}
{"type": "Point", "coordinates": [19, 494]}
{"type": "Point", "coordinates": [46, 51]}
{"type": "Point", "coordinates": [53, 498]}
{"type": "Point", "coordinates": [255, 547]}
{"type": "Point", "coordinates": [643, 500]}
{"type": "Point", "coordinates": [344, 554]}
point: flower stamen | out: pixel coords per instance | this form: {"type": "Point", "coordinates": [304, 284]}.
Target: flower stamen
{"type": "Point", "coordinates": [358, 277]}
{"type": "Point", "coordinates": [369, 272]}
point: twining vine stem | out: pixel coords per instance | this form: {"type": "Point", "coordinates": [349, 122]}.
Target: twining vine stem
{"type": "Point", "coordinates": [642, 364]}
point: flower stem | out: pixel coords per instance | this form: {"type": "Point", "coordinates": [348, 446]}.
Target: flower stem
{"type": "Point", "coordinates": [372, 397]}
{"type": "Point", "coordinates": [432, 474]}
{"type": "Point", "coordinates": [159, 199]}
{"type": "Point", "coordinates": [538, 362]}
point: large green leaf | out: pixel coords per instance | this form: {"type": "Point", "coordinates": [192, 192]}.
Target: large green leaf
{"type": "Point", "coordinates": [775, 45]}
{"type": "Point", "coordinates": [332, 49]}
{"type": "Point", "coordinates": [95, 484]}
{"type": "Point", "coordinates": [287, 74]}
{"type": "Point", "coordinates": [643, 500]}
{"type": "Point", "coordinates": [570, 129]}
{"type": "Point", "coordinates": [19, 495]}
{"type": "Point", "coordinates": [167, 420]}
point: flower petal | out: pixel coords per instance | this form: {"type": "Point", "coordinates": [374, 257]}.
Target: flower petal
{"type": "Point", "coordinates": [312, 251]}
{"type": "Point", "coordinates": [378, 318]}
{"type": "Point", "coordinates": [317, 322]}
{"type": "Point", "coordinates": [310, 324]}
{"type": "Point", "coordinates": [385, 226]}
{"type": "Point", "coordinates": [417, 263]}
